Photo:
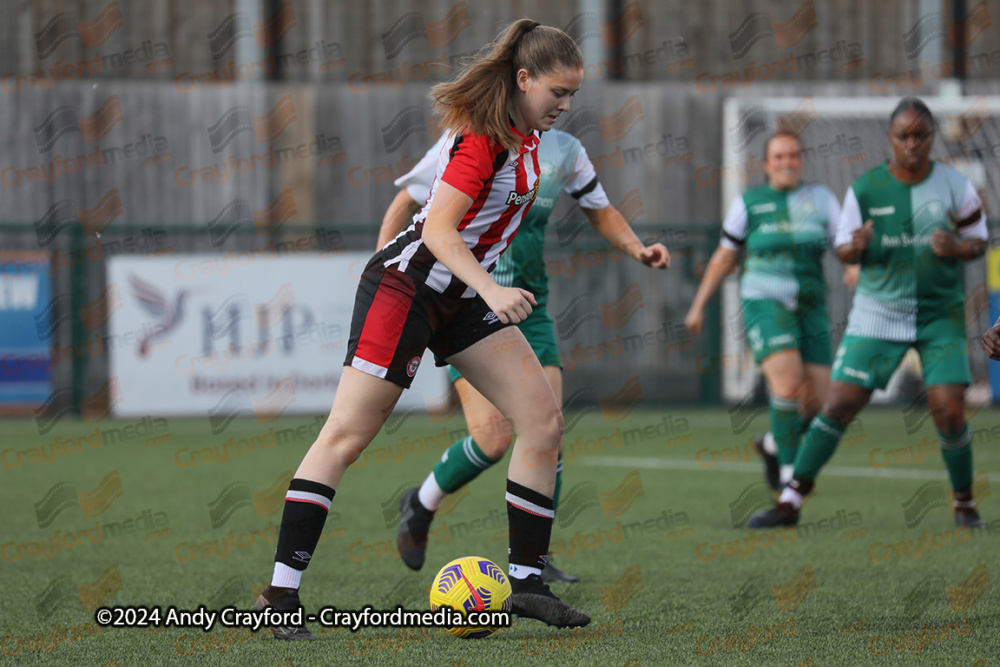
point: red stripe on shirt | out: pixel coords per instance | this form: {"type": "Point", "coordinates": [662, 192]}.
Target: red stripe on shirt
{"type": "Point", "coordinates": [494, 234]}
{"type": "Point", "coordinates": [477, 205]}
{"type": "Point", "coordinates": [478, 167]}
{"type": "Point", "coordinates": [471, 164]}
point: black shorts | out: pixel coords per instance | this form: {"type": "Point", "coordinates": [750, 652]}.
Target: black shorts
{"type": "Point", "coordinates": [396, 318]}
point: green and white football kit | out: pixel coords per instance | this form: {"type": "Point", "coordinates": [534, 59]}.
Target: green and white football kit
{"type": "Point", "coordinates": [782, 288]}
{"type": "Point", "coordinates": [785, 234]}
{"type": "Point", "coordinates": [906, 297]}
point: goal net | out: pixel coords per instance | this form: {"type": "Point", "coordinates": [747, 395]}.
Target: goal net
{"type": "Point", "coordinates": [842, 138]}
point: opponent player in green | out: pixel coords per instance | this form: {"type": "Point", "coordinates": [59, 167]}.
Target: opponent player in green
{"type": "Point", "coordinates": [911, 223]}
{"type": "Point", "coordinates": [785, 227]}
{"type": "Point", "coordinates": [565, 167]}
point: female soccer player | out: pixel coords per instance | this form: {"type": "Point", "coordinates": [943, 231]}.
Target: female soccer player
{"type": "Point", "coordinates": [922, 220]}
{"type": "Point", "coordinates": [431, 288]}
{"type": "Point", "coordinates": [565, 167]}
{"type": "Point", "coordinates": [785, 227]}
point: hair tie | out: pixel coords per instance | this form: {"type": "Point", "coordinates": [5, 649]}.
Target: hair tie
{"type": "Point", "coordinates": [531, 27]}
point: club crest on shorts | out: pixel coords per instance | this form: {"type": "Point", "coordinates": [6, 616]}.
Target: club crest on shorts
{"type": "Point", "coordinates": [412, 365]}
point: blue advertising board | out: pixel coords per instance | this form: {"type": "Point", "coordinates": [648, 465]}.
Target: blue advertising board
{"type": "Point", "coordinates": [25, 331]}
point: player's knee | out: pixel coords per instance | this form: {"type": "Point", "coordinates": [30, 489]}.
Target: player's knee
{"type": "Point", "coordinates": [341, 443]}
{"type": "Point", "coordinates": [493, 436]}
{"type": "Point", "coordinates": [951, 424]}
{"type": "Point", "coordinates": [840, 411]}
{"type": "Point", "coordinates": [553, 428]}
{"type": "Point", "coordinates": [541, 444]}
{"type": "Point", "coordinates": [495, 445]}
{"type": "Point", "coordinates": [543, 426]}
{"type": "Point", "coordinates": [813, 402]}
{"type": "Point", "coordinates": [789, 386]}
{"type": "Point", "coordinates": [949, 415]}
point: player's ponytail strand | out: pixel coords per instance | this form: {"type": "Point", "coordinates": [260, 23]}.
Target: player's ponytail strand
{"type": "Point", "coordinates": [478, 99]}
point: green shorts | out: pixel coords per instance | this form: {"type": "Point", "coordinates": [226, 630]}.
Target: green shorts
{"type": "Point", "coordinates": [870, 362]}
{"type": "Point", "coordinates": [771, 328]}
{"type": "Point", "coordinates": [540, 331]}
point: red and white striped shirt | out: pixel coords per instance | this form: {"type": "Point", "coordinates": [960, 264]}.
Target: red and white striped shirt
{"type": "Point", "coordinates": [502, 184]}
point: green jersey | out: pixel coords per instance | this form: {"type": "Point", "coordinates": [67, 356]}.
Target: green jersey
{"type": "Point", "coordinates": [564, 167]}
{"type": "Point", "coordinates": [785, 234]}
{"type": "Point", "coordinates": [904, 287]}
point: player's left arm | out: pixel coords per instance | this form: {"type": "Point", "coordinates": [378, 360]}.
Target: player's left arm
{"type": "Point", "coordinates": [584, 186]}
{"type": "Point", "coordinates": [971, 237]}
{"type": "Point", "coordinates": [414, 188]}
{"type": "Point", "coordinates": [612, 225]}
{"type": "Point", "coordinates": [399, 214]}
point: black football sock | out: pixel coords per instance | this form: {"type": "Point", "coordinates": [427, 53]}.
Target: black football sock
{"type": "Point", "coordinates": [529, 515]}
{"type": "Point", "coordinates": [307, 504]}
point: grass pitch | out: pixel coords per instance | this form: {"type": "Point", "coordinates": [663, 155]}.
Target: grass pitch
{"type": "Point", "coordinates": [162, 513]}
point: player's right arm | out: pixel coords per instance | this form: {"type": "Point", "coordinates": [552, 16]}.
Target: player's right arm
{"type": "Point", "coordinates": [853, 237]}
{"type": "Point", "coordinates": [851, 271]}
{"type": "Point", "coordinates": [724, 261]}
{"type": "Point", "coordinates": [440, 235]}
{"type": "Point", "coordinates": [463, 179]}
